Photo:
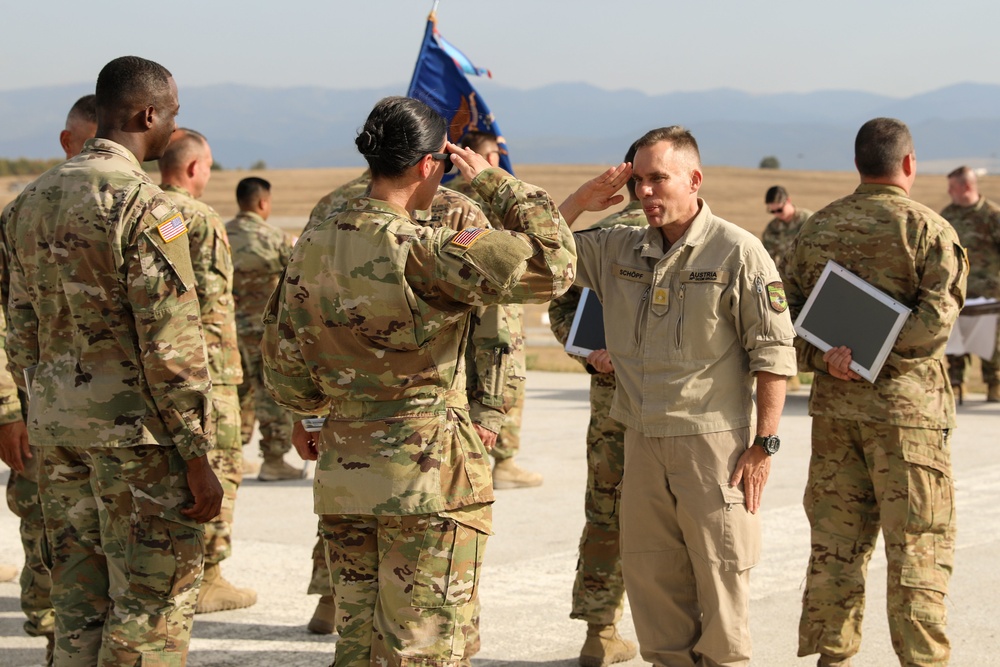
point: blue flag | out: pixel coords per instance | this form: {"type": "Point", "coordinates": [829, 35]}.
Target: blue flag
{"type": "Point", "coordinates": [439, 81]}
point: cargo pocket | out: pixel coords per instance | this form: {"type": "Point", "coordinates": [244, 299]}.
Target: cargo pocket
{"type": "Point", "coordinates": [163, 558]}
{"type": "Point", "coordinates": [447, 567]}
{"type": "Point", "coordinates": [930, 491]}
{"type": "Point", "coordinates": [740, 547]}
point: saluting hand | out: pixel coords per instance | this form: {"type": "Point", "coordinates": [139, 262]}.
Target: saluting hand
{"type": "Point", "coordinates": [598, 193]}
{"type": "Point", "coordinates": [470, 163]}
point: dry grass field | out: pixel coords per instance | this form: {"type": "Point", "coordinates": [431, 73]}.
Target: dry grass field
{"type": "Point", "coordinates": [733, 193]}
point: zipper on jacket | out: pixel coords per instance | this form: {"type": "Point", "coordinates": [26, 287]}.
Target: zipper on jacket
{"type": "Point", "coordinates": [638, 315]}
{"type": "Point", "coordinates": [679, 333]}
{"type": "Point", "coordinates": [765, 321]}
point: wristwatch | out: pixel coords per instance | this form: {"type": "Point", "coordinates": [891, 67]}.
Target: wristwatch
{"type": "Point", "coordinates": [770, 443]}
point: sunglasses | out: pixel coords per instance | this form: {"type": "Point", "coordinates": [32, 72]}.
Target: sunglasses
{"type": "Point", "coordinates": [776, 210]}
{"type": "Point", "coordinates": [440, 157]}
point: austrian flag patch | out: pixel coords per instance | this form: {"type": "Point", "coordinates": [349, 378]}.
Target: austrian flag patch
{"type": "Point", "coordinates": [466, 237]}
{"type": "Point", "coordinates": [776, 297]}
{"type": "Point", "coordinates": [172, 227]}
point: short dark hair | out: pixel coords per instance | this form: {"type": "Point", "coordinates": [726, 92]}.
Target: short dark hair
{"type": "Point", "coordinates": [776, 195]}
{"type": "Point", "coordinates": [678, 137]}
{"type": "Point", "coordinates": [129, 83]}
{"type": "Point", "coordinates": [630, 157]}
{"type": "Point", "coordinates": [963, 173]}
{"type": "Point", "coordinates": [181, 149]}
{"type": "Point", "coordinates": [251, 190]}
{"type": "Point", "coordinates": [476, 140]}
{"type": "Point", "coordinates": [880, 147]}
{"type": "Point", "coordinates": [398, 132]}
{"type": "Point", "coordinates": [84, 109]}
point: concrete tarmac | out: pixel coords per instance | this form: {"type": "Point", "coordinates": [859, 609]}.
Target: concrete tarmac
{"type": "Point", "coordinates": [530, 561]}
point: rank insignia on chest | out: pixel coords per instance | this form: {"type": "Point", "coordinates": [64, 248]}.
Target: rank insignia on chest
{"type": "Point", "coordinates": [171, 228]}
{"type": "Point", "coordinates": [660, 296]}
{"type": "Point", "coordinates": [466, 237]}
{"type": "Point", "coordinates": [776, 297]}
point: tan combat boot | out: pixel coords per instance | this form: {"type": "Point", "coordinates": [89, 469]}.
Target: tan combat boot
{"type": "Point", "coordinates": [217, 594]}
{"type": "Point", "coordinates": [604, 646]}
{"type": "Point", "coordinates": [508, 475]}
{"type": "Point", "coordinates": [276, 470]}
{"type": "Point", "coordinates": [993, 393]}
{"type": "Point", "coordinates": [828, 661]}
{"type": "Point", "coordinates": [8, 572]}
{"type": "Point", "coordinates": [324, 618]}
{"type": "Point", "coordinates": [250, 466]}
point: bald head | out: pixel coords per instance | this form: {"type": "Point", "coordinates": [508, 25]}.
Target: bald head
{"type": "Point", "coordinates": [81, 124]}
{"type": "Point", "coordinates": [187, 162]}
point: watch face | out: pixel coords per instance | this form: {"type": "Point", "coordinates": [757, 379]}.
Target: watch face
{"type": "Point", "coordinates": [770, 443]}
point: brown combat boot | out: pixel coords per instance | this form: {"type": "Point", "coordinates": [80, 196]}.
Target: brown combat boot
{"type": "Point", "coordinates": [8, 572]}
{"type": "Point", "coordinates": [604, 646]}
{"type": "Point", "coordinates": [508, 475]}
{"type": "Point", "coordinates": [276, 470]}
{"type": "Point", "coordinates": [993, 393]}
{"type": "Point", "coordinates": [324, 618]}
{"type": "Point", "coordinates": [217, 594]}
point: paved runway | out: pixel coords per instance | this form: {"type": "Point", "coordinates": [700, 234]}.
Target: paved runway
{"type": "Point", "coordinates": [530, 560]}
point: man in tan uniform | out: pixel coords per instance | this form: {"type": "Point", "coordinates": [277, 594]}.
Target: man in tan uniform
{"type": "Point", "coordinates": [695, 314]}
{"type": "Point", "coordinates": [185, 168]}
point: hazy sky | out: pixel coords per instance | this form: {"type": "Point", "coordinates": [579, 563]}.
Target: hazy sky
{"type": "Point", "coordinates": [889, 46]}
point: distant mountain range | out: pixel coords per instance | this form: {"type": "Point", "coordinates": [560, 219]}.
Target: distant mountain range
{"type": "Point", "coordinates": [562, 123]}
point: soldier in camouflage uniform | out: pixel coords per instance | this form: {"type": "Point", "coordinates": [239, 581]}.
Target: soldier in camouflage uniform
{"type": "Point", "coordinates": [260, 253]}
{"type": "Point", "coordinates": [506, 473]}
{"type": "Point", "coordinates": [598, 591]}
{"type": "Point", "coordinates": [104, 315]}
{"type": "Point", "coordinates": [781, 231]}
{"type": "Point", "coordinates": [881, 451]}
{"type": "Point", "coordinates": [22, 486]}
{"type": "Point", "coordinates": [976, 220]}
{"type": "Point", "coordinates": [487, 356]}
{"type": "Point", "coordinates": [402, 483]}
{"type": "Point", "coordinates": [185, 169]}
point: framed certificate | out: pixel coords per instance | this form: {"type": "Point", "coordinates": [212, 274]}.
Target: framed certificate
{"type": "Point", "coordinates": [587, 332]}
{"type": "Point", "coordinates": [845, 310]}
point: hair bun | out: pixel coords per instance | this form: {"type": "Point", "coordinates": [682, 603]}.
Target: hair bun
{"type": "Point", "coordinates": [367, 142]}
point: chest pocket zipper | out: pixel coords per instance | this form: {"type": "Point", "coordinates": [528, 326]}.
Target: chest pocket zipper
{"type": "Point", "coordinates": [679, 332]}
{"type": "Point", "coordinates": [639, 314]}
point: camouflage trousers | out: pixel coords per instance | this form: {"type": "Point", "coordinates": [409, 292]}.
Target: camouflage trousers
{"type": "Point", "coordinates": [598, 591]}
{"type": "Point", "coordinates": [406, 587]}
{"type": "Point", "coordinates": [957, 364]}
{"type": "Point", "coordinates": [23, 501]}
{"type": "Point", "coordinates": [227, 462]}
{"type": "Point", "coordinates": [863, 476]}
{"type": "Point", "coordinates": [275, 421]}
{"type": "Point", "coordinates": [509, 438]}
{"type": "Point", "coordinates": [125, 563]}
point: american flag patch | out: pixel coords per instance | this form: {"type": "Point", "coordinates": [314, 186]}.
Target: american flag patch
{"type": "Point", "coordinates": [172, 227]}
{"type": "Point", "coordinates": [466, 237]}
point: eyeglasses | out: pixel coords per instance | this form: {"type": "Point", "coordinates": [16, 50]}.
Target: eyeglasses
{"type": "Point", "coordinates": [774, 211]}
{"type": "Point", "coordinates": [440, 157]}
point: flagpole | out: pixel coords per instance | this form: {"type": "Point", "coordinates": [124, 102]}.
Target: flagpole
{"type": "Point", "coordinates": [434, 9]}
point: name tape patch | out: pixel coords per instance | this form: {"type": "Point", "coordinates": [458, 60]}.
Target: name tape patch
{"type": "Point", "coordinates": [705, 276]}
{"type": "Point", "coordinates": [466, 237]}
{"type": "Point", "coordinates": [631, 273]}
{"type": "Point", "coordinates": [172, 227]}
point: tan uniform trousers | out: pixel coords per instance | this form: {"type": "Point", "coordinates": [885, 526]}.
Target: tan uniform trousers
{"type": "Point", "coordinates": [688, 543]}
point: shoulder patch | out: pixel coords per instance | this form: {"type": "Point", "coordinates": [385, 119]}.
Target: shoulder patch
{"type": "Point", "coordinates": [171, 228]}
{"type": "Point", "coordinates": [466, 237]}
{"type": "Point", "coordinates": [776, 297]}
